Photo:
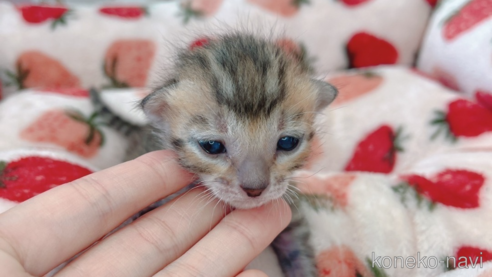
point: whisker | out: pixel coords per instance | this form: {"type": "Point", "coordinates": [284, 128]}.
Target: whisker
{"type": "Point", "coordinates": [200, 195]}
{"type": "Point", "coordinates": [178, 197]}
{"type": "Point", "coordinates": [288, 198]}
{"type": "Point", "coordinates": [290, 186]}
{"type": "Point", "coordinates": [208, 199]}
{"type": "Point", "coordinates": [293, 203]}
{"type": "Point", "coordinates": [213, 211]}
{"type": "Point", "coordinates": [293, 193]}
{"type": "Point", "coordinates": [303, 177]}
{"type": "Point", "coordinates": [278, 210]}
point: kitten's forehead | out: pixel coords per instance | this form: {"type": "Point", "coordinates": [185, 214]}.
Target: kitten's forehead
{"type": "Point", "coordinates": [225, 121]}
{"type": "Point", "coordinates": [247, 76]}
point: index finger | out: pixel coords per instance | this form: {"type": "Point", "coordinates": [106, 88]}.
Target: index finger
{"type": "Point", "coordinates": [233, 243]}
{"type": "Point", "coordinates": [48, 229]}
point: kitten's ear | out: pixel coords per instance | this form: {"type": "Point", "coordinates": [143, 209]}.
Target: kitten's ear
{"type": "Point", "coordinates": [326, 93]}
{"type": "Point", "coordinates": [155, 105]}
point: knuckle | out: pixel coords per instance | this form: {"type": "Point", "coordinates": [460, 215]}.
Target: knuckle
{"type": "Point", "coordinates": [243, 231]}
{"type": "Point", "coordinates": [96, 195]}
{"type": "Point", "coordinates": [160, 234]}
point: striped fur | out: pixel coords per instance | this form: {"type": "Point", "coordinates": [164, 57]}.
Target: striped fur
{"type": "Point", "coordinates": [247, 93]}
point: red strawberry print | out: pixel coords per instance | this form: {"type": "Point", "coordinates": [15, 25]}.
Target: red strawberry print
{"type": "Point", "coordinates": [463, 119]}
{"type": "Point", "coordinates": [286, 8]}
{"type": "Point", "coordinates": [29, 176]}
{"type": "Point", "coordinates": [364, 49]}
{"type": "Point", "coordinates": [37, 70]}
{"type": "Point", "coordinates": [452, 187]}
{"type": "Point", "coordinates": [484, 98]}
{"type": "Point", "coordinates": [126, 12]}
{"type": "Point", "coordinates": [353, 3]}
{"type": "Point", "coordinates": [432, 3]}
{"type": "Point", "coordinates": [198, 43]}
{"type": "Point", "coordinates": [377, 151]}
{"type": "Point", "coordinates": [127, 62]}
{"type": "Point", "coordinates": [352, 86]}
{"type": "Point", "coordinates": [472, 256]}
{"type": "Point", "coordinates": [199, 8]}
{"type": "Point", "coordinates": [470, 15]}
{"type": "Point", "coordinates": [36, 14]}
{"type": "Point", "coordinates": [75, 92]}
{"type": "Point", "coordinates": [340, 261]}
{"type": "Point", "coordinates": [68, 129]}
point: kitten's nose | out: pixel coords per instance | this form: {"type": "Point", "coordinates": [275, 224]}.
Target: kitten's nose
{"type": "Point", "coordinates": [253, 192]}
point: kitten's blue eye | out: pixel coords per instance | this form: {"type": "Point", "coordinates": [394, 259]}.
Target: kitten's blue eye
{"type": "Point", "coordinates": [212, 147]}
{"type": "Point", "coordinates": [287, 143]}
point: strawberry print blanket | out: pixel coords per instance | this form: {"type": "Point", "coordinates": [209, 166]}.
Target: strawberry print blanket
{"type": "Point", "coordinates": [118, 46]}
{"type": "Point", "coordinates": [400, 189]}
{"type": "Point", "coordinates": [399, 180]}
{"type": "Point", "coordinates": [456, 48]}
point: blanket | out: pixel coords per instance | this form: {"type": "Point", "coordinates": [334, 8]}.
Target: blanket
{"type": "Point", "coordinates": [389, 190]}
{"type": "Point", "coordinates": [116, 46]}
{"type": "Point", "coordinates": [398, 183]}
{"type": "Point", "coordinates": [456, 49]}
{"type": "Point", "coordinates": [401, 189]}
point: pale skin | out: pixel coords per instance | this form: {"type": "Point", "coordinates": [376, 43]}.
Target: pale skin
{"type": "Point", "coordinates": [190, 236]}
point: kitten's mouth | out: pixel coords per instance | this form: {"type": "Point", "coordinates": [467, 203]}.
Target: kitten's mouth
{"type": "Point", "coordinates": [239, 199]}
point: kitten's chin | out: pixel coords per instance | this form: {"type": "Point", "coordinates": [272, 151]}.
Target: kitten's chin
{"type": "Point", "coordinates": [248, 204]}
{"type": "Point", "coordinates": [243, 202]}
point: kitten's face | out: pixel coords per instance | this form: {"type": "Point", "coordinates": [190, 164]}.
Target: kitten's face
{"type": "Point", "coordinates": [245, 129]}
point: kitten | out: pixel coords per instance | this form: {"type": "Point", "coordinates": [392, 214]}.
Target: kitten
{"type": "Point", "coordinates": [239, 112]}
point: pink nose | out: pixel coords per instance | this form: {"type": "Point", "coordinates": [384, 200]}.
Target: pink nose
{"type": "Point", "coordinates": [253, 192]}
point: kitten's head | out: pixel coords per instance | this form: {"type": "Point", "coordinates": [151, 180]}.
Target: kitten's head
{"type": "Point", "coordinates": [239, 113]}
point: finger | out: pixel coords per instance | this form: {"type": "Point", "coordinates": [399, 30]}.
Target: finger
{"type": "Point", "coordinates": [252, 273]}
{"type": "Point", "coordinates": [233, 243]}
{"type": "Point", "coordinates": [52, 227]}
{"type": "Point", "coordinates": [153, 241]}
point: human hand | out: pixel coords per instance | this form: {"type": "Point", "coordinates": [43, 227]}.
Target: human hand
{"type": "Point", "coordinates": [176, 239]}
